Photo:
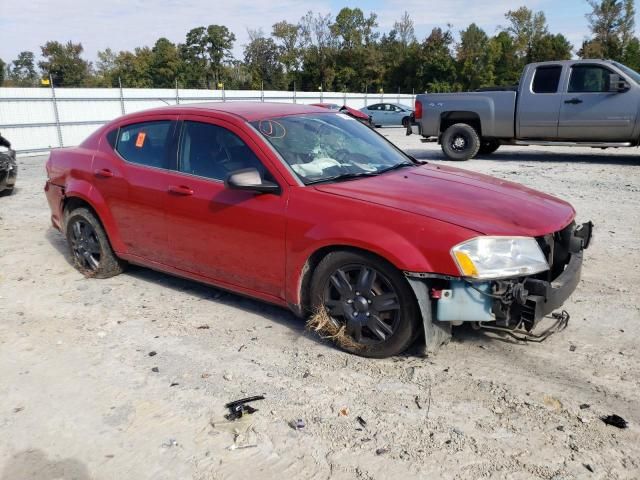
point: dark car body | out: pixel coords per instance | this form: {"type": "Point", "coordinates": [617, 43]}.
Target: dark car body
{"type": "Point", "coordinates": [8, 171]}
{"type": "Point", "coordinates": [266, 243]}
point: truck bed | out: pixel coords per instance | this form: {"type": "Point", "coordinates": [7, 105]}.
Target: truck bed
{"type": "Point", "coordinates": [495, 111]}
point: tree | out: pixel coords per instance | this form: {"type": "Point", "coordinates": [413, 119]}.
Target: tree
{"type": "Point", "coordinates": [527, 29]}
{"type": "Point", "coordinates": [475, 58]}
{"type": "Point", "coordinates": [405, 30]}
{"type": "Point", "coordinates": [3, 70]}
{"type": "Point", "coordinates": [134, 68]}
{"type": "Point", "coordinates": [205, 52]}
{"type": "Point", "coordinates": [22, 71]}
{"type": "Point", "coordinates": [319, 45]}
{"type": "Point", "coordinates": [288, 40]}
{"type": "Point", "coordinates": [551, 47]}
{"type": "Point", "coordinates": [261, 58]}
{"type": "Point", "coordinates": [507, 66]}
{"type": "Point", "coordinates": [105, 70]}
{"type": "Point", "coordinates": [612, 25]}
{"type": "Point", "coordinates": [64, 64]}
{"type": "Point", "coordinates": [165, 64]}
{"type": "Point", "coordinates": [436, 66]}
{"type": "Point", "coordinates": [353, 29]}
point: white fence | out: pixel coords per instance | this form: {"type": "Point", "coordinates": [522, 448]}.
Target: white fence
{"type": "Point", "coordinates": [37, 119]}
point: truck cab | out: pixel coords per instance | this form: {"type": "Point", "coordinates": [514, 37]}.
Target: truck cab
{"type": "Point", "coordinates": [571, 103]}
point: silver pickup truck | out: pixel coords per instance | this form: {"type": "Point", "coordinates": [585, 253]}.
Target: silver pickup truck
{"type": "Point", "coordinates": [567, 103]}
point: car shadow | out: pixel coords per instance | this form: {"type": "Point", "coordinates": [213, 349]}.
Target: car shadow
{"type": "Point", "coordinates": [200, 290]}
{"type": "Point", "coordinates": [533, 156]}
{"type": "Point", "coordinates": [34, 464]}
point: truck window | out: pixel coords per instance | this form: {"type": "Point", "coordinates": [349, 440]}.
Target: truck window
{"type": "Point", "coordinates": [589, 78]}
{"type": "Point", "coordinates": [546, 79]}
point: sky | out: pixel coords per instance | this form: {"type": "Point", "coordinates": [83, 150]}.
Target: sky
{"type": "Point", "coordinates": [126, 24]}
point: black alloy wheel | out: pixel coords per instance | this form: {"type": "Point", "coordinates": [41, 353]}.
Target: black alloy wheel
{"type": "Point", "coordinates": [460, 142]}
{"type": "Point", "coordinates": [85, 245]}
{"type": "Point", "coordinates": [363, 299]}
{"type": "Point", "coordinates": [370, 298]}
{"type": "Point", "coordinates": [89, 246]}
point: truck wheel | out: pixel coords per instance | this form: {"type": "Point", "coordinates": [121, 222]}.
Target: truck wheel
{"type": "Point", "coordinates": [460, 142]}
{"type": "Point", "coordinates": [488, 146]}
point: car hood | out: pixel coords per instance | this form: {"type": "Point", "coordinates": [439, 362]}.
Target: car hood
{"type": "Point", "coordinates": [474, 201]}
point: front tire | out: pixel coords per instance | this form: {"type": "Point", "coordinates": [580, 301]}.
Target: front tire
{"type": "Point", "coordinates": [460, 142]}
{"type": "Point", "coordinates": [370, 298]}
{"type": "Point", "coordinates": [89, 246]}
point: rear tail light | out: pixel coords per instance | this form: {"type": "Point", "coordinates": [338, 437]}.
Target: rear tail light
{"type": "Point", "coordinates": [418, 109]}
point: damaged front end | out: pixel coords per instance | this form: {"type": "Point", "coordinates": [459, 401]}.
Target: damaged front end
{"type": "Point", "coordinates": [515, 304]}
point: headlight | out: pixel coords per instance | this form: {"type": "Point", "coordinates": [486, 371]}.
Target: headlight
{"type": "Point", "coordinates": [499, 257]}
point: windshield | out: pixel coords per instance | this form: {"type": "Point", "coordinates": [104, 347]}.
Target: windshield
{"type": "Point", "coordinates": [635, 76]}
{"type": "Point", "coordinates": [325, 147]}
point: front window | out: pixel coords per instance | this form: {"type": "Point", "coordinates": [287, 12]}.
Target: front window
{"type": "Point", "coordinates": [589, 79]}
{"type": "Point", "coordinates": [330, 147]}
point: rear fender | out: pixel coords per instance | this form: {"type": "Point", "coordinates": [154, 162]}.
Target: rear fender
{"type": "Point", "coordinates": [77, 188]}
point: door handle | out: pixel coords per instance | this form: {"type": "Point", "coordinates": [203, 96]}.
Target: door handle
{"type": "Point", "coordinates": [104, 173]}
{"type": "Point", "coordinates": [573, 101]}
{"type": "Point", "coordinates": [180, 190]}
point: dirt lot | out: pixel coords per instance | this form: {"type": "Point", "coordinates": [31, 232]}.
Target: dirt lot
{"type": "Point", "coordinates": [79, 398]}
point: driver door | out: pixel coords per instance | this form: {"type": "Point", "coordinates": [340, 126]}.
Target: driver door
{"type": "Point", "coordinates": [232, 237]}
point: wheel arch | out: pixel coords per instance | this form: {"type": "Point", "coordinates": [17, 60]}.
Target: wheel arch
{"type": "Point", "coordinates": [77, 196]}
{"type": "Point", "coordinates": [302, 301]}
{"type": "Point", "coordinates": [472, 119]}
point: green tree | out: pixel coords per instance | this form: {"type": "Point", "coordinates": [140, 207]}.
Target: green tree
{"type": "Point", "coordinates": [22, 71]}
{"type": "Point", "coordinates": [288, 40]}
{"type": "Point", "coordinates": [205, 53]}
{"type": "Point", "coordinates": [551, 47]}
{"type": "Point", "coordinates": [261, 58]}
{"type": "Point", "coordinates": [612, 26]}
{"type": "Point", "coordinates": [475, 56]}
{"type": "Point", "coordinates": [319, 47]}
{"type": "Point", "coordinates": [165, 64]}
{"type": "Point", "coordinates": [527, 28]}
{"type": "Point", "coordinates": [437, 69]}
{"type": "Point", "coordinates": [507, 67]}
{"type": "Point", "coordinates": [64, 64]}
{"type": "Point", "coordinates": [3, 71]}
{"type": "Point", "coordinates": [134, 68]}
{"type": "Point", "coordinates": [105, 70]}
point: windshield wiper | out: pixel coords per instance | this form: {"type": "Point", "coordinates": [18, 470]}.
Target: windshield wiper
{"type": "Point", "coordinates": [343, 176]}
{"type": "Point", "coordinates": [397, 166]}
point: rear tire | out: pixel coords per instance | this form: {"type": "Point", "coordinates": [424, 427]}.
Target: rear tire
{"type": "Point", "coordinates": [488, 146]}
{"type": "Point", "coordinates": [460, 142]}
{"type": "Point", "coordinates": [405, 122]}
{"type": "Point", "coordinates": [89, 246]}
{"type": "Point", "coordinates": [371, 299]}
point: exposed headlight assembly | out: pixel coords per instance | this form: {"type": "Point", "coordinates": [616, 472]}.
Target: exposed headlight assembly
{"type": "Point", "coordinates": [499, 257]}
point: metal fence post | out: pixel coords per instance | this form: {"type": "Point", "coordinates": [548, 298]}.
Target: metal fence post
{"type": "Point", "coordinates": [294, 92]}
{"type": "Point", "coordinates": [177, 93]}
{"type": "Point", "coordinates": [321, 92]}
{"type": "Point", "coordinates": [262, 91]}
{"type": "Point", "coordinates": [55, 112]}
{"type": "Point", "coordinates": [121, 96]}
{"type": "Point", "coordinates": [224, 94]}
{"type": "Point", "coordinates": [344, 97]}
{"type": "Point", "coordinates": [366, 99]}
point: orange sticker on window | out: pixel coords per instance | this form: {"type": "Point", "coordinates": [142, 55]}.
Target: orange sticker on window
{"type": "Point", "coordinates": [140, 139]}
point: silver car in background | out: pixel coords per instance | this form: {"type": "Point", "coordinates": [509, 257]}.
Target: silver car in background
{"type": "Point", "coordinates": [389, 114]}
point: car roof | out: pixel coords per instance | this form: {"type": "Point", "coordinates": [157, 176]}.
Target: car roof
{"type": "Point", "coordinates": [249, 111]}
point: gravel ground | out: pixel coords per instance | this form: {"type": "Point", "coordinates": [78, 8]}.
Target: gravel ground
{"type": "Point", "coordinates": [79, 397]}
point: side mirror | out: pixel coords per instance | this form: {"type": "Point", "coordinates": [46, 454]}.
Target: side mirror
{"type": "Point", "coordinates": [617, 84]}
{"type": "Point", "coordinates": [250, 179]}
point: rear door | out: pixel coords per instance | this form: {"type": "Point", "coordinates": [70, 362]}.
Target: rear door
{"type": "Point", "coordinates": [590, 112]}
{"type": "Point", "coordinates": [230, 236]}
{"type": "Point", "coordinates": [132, 181]}
{"type": "Point", "coordinates": [539, 103]}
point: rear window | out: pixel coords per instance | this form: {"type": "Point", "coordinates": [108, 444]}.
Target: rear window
{"type": "Point", "coordinates": [145, 143]}
{"type": "Point", "coordinates": [546, 79]}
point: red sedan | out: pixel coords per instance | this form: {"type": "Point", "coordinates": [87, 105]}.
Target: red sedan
{"type": "Point", "coordinates": [309, 209]}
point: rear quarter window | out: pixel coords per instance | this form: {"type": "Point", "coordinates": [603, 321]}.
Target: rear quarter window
{"type": "Point", "coordinates": [546, 79]}
{"type": "Point", "coordinates": [145, 143]}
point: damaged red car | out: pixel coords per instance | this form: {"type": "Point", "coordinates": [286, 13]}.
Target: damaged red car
{"type": "Point", "coordinates": [311, 210]}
